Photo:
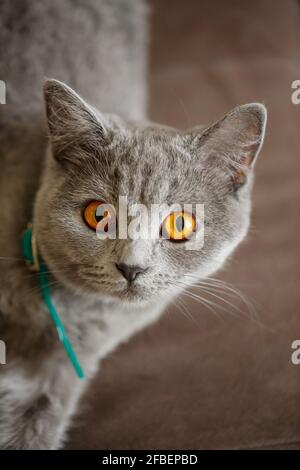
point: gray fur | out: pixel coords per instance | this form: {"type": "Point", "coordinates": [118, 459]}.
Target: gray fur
{"type": "Point", "coordinates": [96, 46]}
{"type": "Point", "coordinates": [94, 155]}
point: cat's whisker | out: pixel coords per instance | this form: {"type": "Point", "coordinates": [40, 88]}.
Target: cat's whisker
{"type": "Point", "coordinates": [235, 311]}
{"type": "Point", "coordinates": [194, 296]}
{"type": "Point", "coordinates": [184, 310]}
{"type": "Point", "coordinates": [180, 309]}
{"type": "Point", "coordinates": [36, 289]}
{"type": "Point", "coordinates": [228, 290]}
{"type": "Point", "coordinates": [35, 274]}
{"type": "Point", "coordinates": [11, 258]}
{"type": "Point", "coordinates": [222, 299]}
{"type": "Point", "coordinates": [219, 284]}
{"type": "Point", "coordinates": [233, 294]}
{"type": "Point", "coordinates": [204, 299]}
{"type": "Point", "coordinates": [206, 303]}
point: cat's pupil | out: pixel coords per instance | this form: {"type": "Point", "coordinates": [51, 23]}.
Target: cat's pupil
{"type": "Point", "coordinates": [179, 223]}
{"type": "Point", "coordinates": [99, 217]}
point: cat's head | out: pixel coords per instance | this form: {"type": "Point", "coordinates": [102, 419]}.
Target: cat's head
{"type": "Point", "coordinates": [96, 157]}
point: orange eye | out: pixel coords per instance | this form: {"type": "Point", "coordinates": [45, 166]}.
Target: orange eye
{"type": "Point", "coordinates": [98, 212]}
{"type": "Point", "coordinates": [179, 226]}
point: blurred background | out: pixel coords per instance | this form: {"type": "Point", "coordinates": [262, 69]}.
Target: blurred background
{"type": "Point", "coordinates": [224, 380]}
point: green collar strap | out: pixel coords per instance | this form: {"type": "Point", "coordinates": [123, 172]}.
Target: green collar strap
{"type": "Point", "coordinates": [29, 251]}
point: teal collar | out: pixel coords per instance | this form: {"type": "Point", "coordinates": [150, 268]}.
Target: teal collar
{"type": "Point", "coordinates": [29, 251]}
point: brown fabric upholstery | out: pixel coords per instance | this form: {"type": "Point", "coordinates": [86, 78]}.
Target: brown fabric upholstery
{"type": "Point", "coordinates": [222, 381]}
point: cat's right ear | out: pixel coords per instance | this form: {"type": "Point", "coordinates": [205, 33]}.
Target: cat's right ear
{"type": "Point", "coordinates": [75, 129]}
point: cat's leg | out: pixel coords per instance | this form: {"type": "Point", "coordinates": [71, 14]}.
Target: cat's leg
{"type": "Point", "coordinates": [35, 409]}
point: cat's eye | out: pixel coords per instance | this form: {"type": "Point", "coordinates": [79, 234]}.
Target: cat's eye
{"type": "Point", "coordinates": [179, 226]}
{"type": "Point", "coordinates": [99, 216]}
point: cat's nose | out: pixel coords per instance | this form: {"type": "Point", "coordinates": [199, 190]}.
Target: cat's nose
{"type": "Point", "coordinates": [130, 272]}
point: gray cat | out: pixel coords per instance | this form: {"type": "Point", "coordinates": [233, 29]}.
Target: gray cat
{"type": "Point", "coordinates": [104, 290]}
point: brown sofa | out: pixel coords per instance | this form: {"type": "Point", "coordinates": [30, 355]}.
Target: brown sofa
{"type": "Point", "coordinates": [225, 380]}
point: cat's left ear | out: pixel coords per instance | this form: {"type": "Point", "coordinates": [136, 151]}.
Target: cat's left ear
{"type": "Point", "coordinates": [75, 129]}
{"type": "Point", "coordinates": [234, 141]}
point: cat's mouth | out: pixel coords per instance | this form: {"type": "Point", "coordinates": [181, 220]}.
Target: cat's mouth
{"type": "Point", "coordinates": [133, 293]}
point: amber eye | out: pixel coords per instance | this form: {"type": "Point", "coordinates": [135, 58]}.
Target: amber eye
{"type": "Point", "coordinates": [179, 226]}
{"type": "Point", "coordinates": [99, 215]}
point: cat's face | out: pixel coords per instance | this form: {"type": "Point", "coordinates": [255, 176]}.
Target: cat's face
{"type": "Point", "coordinates": [93, 158]}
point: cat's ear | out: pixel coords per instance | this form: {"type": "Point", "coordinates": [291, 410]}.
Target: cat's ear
{"type": "Point", "coordinates": [234, 141]}
{"type": "Point", "coordinates": [75, 129]}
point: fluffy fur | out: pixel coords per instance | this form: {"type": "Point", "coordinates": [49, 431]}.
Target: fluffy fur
{"type": "Point", "coordinates": [91, 154]}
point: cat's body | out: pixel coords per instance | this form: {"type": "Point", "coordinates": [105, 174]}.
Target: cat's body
{"type": "Point", "coordinates": [104, 56]}
{"type": "Point", "coordinates": [97, 47]}
{"type": "Point", "coordinates": [94, 156]}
